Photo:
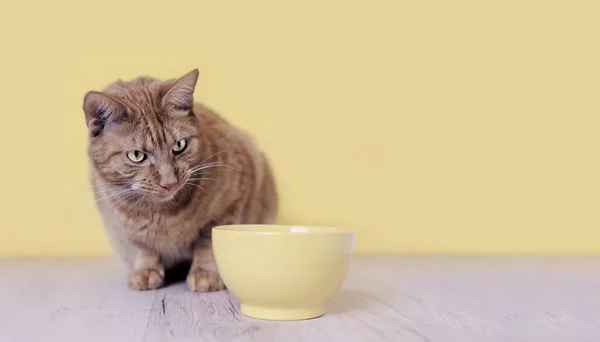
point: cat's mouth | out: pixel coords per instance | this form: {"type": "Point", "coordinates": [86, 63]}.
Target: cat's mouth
{"type": "Point", "coordinates": [168, 195]}
{"type": "Point", "coordinates": [165, 195]}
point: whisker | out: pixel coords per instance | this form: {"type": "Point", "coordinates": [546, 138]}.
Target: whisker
{"type": "Point", "coordinates": [138, 201]}
{"type": "Point", "coordinates": [199, 167]}
{"type": "Point", "coordinates": [110, 196]}
{"type": "Point", "coordinates": [225, 165]}
{"type": "Point", "coordinates": [121, 202]}
{"type": "Point", "coordinates": [212, 155]}
{"type": "Point", "coordinates": [204, 162]}
{"type": "Point", "coordinates": [210, 166]}
{"type": "Point", "coordinates": [107, 190]}
{"type": "Point", "coordinates": [112, 183]}
{"type": "Point", "coordinates": [114, 195]}
{"type": "Point", "coordinates": [198, 186]}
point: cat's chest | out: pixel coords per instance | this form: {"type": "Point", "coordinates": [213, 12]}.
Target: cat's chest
{"type": "Point", "coordinates": [169, 235]}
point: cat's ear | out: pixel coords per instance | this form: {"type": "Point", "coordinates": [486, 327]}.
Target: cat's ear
{"type": "Point", "coordinates": [100, 109]}
{"type": "Point", "coordinates": [179, 94]}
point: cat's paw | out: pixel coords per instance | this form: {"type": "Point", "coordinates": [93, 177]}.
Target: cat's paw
{"type": "Point", "coordinates": [146, 279]}
{"type": "Point", "coordinates": [204, 281]}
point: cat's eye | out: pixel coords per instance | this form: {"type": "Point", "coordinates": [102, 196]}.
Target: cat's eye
{"type": "Point", "coordinates": [179, 146]}
{"type": "Point", "coordinates": [136, 156]}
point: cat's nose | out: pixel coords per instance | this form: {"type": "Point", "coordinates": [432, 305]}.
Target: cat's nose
{"type": "Point", "coordinates": [168, 183]}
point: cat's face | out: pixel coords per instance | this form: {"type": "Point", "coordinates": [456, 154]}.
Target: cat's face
{"type": "Point", "coordinates": [144, 141]}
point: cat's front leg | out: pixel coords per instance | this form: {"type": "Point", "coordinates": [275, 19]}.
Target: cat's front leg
{"type": "Point", "coordinates": [203, 275]}
{"type": "Point", "coordinates": [148, 273]}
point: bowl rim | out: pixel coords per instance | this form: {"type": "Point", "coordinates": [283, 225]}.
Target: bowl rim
{"type": "Point", "coordinates": [325, 230]}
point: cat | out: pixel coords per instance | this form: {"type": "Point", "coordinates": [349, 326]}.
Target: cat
{"type": "Point", "coordinates": [164, 171]}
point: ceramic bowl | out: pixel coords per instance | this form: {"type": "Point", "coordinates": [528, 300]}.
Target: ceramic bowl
{"type": "Point", "coordinates": [282, 272]}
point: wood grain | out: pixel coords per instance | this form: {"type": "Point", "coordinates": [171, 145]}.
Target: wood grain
{"type": "Point", "coordinates": [384, 298]}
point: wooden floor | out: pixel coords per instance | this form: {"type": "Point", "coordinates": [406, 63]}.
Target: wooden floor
{"type": "Point", "coordinates": [400, 299]}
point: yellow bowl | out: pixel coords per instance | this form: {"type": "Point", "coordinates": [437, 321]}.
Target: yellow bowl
{"type": "Point", "coordinates": [282, 272]}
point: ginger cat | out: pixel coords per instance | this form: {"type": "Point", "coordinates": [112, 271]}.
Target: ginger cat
{"type": "Point", "coordinates": [164, 171]}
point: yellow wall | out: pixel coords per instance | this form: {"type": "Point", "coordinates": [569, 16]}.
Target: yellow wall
{"type": "Point", "coordinates": [448, 126]}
